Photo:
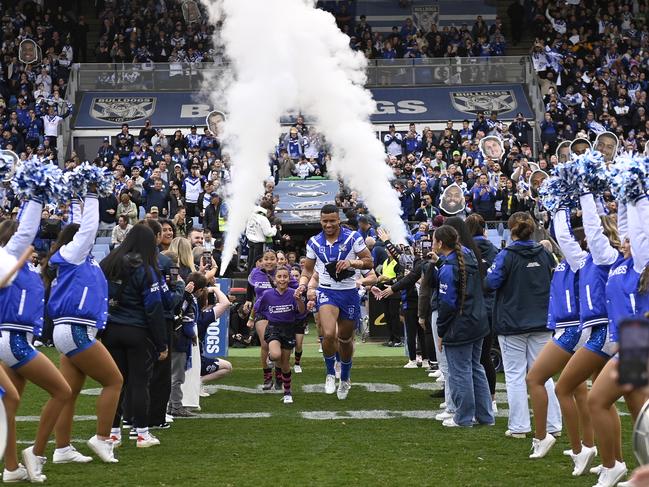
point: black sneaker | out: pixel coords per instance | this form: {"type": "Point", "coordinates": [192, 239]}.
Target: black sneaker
{"type": "Point", "coordinates": [432, 367]}
{"type": "Point", "coordinates": [268, 385]}
{"type": "Point", "coordinates": [132, 434]}
{"type": "Point", "coordinates": [279, 385]}
{"type": "Point", "coordinates": [389, 343]}
{"type": "Point", "coordinates": [127, 424]}
{"type": "Point", "coordinates": [162, 426]}
{"type": "Point", "coordinates": [397, 344]}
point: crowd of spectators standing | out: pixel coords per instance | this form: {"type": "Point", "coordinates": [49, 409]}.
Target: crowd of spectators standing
{"type": "Point", "coordinates": [592, 60]}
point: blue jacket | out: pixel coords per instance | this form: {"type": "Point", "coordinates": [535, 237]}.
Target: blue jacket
{"type": "Point", "coordinates": [22, 303]}
{"type": "Point", "coordinates": [455, 326]}
{"type": "Point", "coordinates": [521, 276]}
{"type": "Point", "coordinates": [563, 310]}
{"type": "Point", "coordinates": [79, 292]}
{"type": "Point", "coordinates": [489, 253]}
{"type": "Point", "coordinates": [136, 300]}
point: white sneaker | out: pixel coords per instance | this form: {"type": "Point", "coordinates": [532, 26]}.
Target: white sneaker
{"type": "Point", "coordinates": [419, 361]}
{"type": "Point", "coordinates": [435, 374]}
{"type": "Point", "coordinates": [440, 379]}
{"type": "Point", "coordinates": [116, 439]}
{"type": "Point", "coordinates": [320, 348]}
{"type": "Point", "coordinates": [34, 465]}
{"type": "Point", "coordinates": [450, 423]}
{"type": "Point", "coordinates": [330, 384]}
{"type": "Point", "coordinates": [444, 415]}
{"type": "Point", "coordinates": [443, 405]}
{"type": "Point", "coordinates": [337, 370]}
{"type": "Point", "coordinates": [412, 364]}
{"type": "Point", "coordinates": [297, 368]}
{"type": "Point", "coordinates": [596, 470]}
{"type": "Point", "coordinates": [511, 434]}
{"type": "Point", "coordinates": [628, 483]}
{"type": "Point", "coordinates": [540, 448]}
{"type": "Point", "coordinates": [494, 406]}
{"type": "Point", "coordinates": [103, 449]}
{"type": "Point", "coordinates": [18, 475]}
{"type": "Point", "coordinates": [343, 389]}
{"type": "Point", "coordinates": [287, 399]}
{"type": "Point", "coordinates": [608, 477]}
{"type": "Point", "coordinates": [583, 459]}
{"type": "Point", "coordinates": [146, 440]}
{"type": "Point", "coordinates": [69, 455]}
{"type": "Point", "coordinates": [204, 392]}
{"type": "Point", "coordinates": [169, 418]}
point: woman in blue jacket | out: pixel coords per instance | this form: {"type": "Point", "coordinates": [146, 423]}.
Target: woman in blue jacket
{"type": "Point", "coordinates": [136, 333]}
{"type": "Point", "coordinates": [521, 277]}
{"type": "Point", "coordinates": [462, 325]}
{"type": "Point", "coordinates": [78, 307]}
{"type": "Point", "coordinates": [21, 318]}
{"type": "Point", "coordinates": [627, 296]}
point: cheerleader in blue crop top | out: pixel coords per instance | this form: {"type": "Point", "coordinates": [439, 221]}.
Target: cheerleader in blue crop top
{"type": "Point", "coordinates": [21, 318]}
{"type": "Point", "coordinates": [627, 295]}
{"type": "Point", "coordinates": [78, 307]}
{"type": "Point", "coordinates": [13, 471]}
{"type": "Point", "coordinates": [603, 242]}
{"type": "Point", "coordinates": [563, 319]}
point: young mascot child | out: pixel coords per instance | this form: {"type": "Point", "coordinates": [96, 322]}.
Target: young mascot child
{"type": "Point", "coordinates": [281, 308]}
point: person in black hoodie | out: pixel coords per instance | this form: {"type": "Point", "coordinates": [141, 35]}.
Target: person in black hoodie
{"type": "Point", "coordinates": [135, 334]}
{"type": "Point", "coordinates": [475, 225]}
{"type": "Point", "coordinates": [462, 325]}
{"type": "Point", "coordinates": [405, 285]}
{"type": "Point", "coordinates": [521, 276]}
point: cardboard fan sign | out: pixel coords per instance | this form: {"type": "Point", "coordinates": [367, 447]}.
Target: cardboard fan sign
{"type": "Point", "coordinates": [29, 52]}
{"type": "Point", "coordinates": [452, 200]}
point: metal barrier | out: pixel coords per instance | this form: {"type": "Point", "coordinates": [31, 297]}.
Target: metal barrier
{"type": "Point", "coordinates": [181, 76]}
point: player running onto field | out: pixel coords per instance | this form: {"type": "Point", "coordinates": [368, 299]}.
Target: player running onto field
{"type": "Point", "coordinates": [335, 253]}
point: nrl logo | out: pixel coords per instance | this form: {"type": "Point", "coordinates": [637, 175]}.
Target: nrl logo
{"type": "Point", "coordinates": [122, 109]}
{"type": "Point", "coordinates": [484, 101]}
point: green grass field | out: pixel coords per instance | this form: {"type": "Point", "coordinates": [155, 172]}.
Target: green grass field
{"type": "Point", "coordinates": [285, 447]}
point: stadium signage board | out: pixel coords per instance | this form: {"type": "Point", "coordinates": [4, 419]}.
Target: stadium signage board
{"type": "Point", "coordinates": [474, 101]}
{"type": "Point", "coordinates": [122, 109]}
{"type": "Point", "coordinates": [105, 109]}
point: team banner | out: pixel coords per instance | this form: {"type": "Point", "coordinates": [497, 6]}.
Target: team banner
{"type": "Point", "coordinates": [378, 325]}
{"type": "Point", "coordinates": [105, 109]}
{"type": "Point", "coordinates": [215, 343]}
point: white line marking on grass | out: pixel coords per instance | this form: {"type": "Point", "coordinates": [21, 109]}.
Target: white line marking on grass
{"type": "Point", "coordinates": [427, 386]}
{"type": "Point", "coordinates": [368, 386]}
{"type": "Point", "coordinates": [368, 414]}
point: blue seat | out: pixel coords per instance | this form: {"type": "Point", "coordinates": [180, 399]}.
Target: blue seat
{"type": "Point", "coordinates": [195, 221]}
{"type": "Point", "coordinates": [102, 241]}
{"type": "Point", "coordinates": [100, 249]}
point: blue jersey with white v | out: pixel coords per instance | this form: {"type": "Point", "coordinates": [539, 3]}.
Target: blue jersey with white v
{"type": "Point", "coordinates": [346, 247]}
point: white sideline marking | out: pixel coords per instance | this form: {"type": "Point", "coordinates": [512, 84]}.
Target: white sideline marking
{"type": "Point", "coordinates": [368, 414]}
{"type": "Point", "coordinates": [368, 386]}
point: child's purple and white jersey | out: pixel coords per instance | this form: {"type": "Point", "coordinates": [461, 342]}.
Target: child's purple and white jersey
{"type": "Point", "coordinates": [277, 307]}
{"type": "Point", "coordinates": [348, 245]}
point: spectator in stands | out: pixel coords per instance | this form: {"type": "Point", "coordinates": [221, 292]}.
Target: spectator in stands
{"type": "Point", "coordinates": [127, 208]}
{"type": "Point", "coordinates": [157, 196]}
{"type": "Point", "coordinates": [120, 230]}
{"type": "Point", "coordinates": [484, 198]}
{"type": "Point", "coordinates": [216, 216]}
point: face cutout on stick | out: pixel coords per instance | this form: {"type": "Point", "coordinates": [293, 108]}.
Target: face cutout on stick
{"type": "Point", "coordinates": [452, 200]}
{"type": "Point", "coordinates": [492, 148]}
{"type": "Point", "coordinates": [607, 143]}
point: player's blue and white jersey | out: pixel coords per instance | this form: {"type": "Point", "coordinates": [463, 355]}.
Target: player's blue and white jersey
{"type": "Point", "coordinates": [348, 245]}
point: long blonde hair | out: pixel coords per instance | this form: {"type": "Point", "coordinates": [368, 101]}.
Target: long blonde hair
{"type": "Point", "coordinates": [609, 226]}
{"type": "Point", "coordinates": [183, 249]}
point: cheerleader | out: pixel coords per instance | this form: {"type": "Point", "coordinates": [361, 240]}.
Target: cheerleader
{"type": "Point", "coordinates": [627, 295]}
{"type": "Point", "coordinates": [603, 244]}
{"type": "Point", "coordinates": [13, 471]}
{"type": "Point", "coordinates": [78, 307]}
{"type": "Point", "coordinates": [563, 319]}
{"type": "Point", "coordinates": [21, 318]}
{"type": "Point", "coordinates": [281, 308]}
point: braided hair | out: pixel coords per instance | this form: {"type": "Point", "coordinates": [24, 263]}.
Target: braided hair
{"type": "Point", "coordinates": [643, 284]}
{"type": "Point", "coordinates": [449, 238]}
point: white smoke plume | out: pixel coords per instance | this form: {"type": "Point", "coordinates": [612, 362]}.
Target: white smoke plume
{"type": "Point", "coordinates": [285, 55]}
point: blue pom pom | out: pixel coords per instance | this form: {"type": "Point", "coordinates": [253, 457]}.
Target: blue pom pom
{"type": "Point", "coordinates": [44, 181]}
{"type": "Point", "coordinates": [87, 174]}
{"type": "Point", "coordinates": [557, 193]}
{"type": "Point", "coordinates": [590, 171]}
{"type": "Point", "coordinates": [629, 177]}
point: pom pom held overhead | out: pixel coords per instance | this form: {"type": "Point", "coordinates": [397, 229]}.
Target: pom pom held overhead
{"type": "Point", "coordinates": [37, 180]}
